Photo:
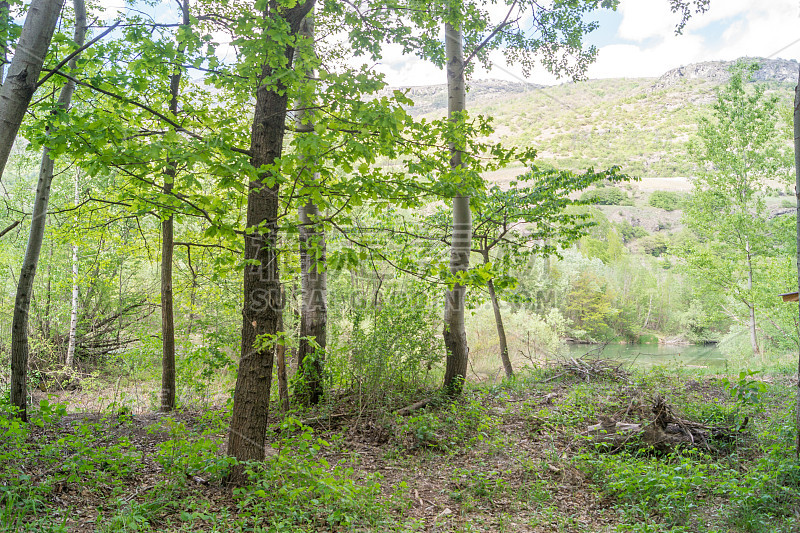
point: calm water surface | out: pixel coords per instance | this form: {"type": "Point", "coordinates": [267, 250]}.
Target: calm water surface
{"type": "Point", "coordinates": [693, 356]}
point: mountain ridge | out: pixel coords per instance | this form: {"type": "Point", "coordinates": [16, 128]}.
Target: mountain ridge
{"type": "Point", "coordinates": [433, 98]}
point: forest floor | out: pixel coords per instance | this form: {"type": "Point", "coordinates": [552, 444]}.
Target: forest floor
{"type": "Point", "coordinates": [514, 456]}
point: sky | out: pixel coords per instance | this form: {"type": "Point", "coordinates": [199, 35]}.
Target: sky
{"type": "Point", "coordinates": [636, 40]}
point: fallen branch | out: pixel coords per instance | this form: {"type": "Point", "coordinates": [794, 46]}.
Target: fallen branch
{"type": "Point", "coordinates": [405, 411]}
{"type": "Point", "coordinates": [664, 433]}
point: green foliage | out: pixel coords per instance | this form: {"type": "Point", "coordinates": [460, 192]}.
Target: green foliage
{"type": "Point", "coordinates": [629, 232]}
{"type": "Point", "coordinates": [201, 366]}
{"type": "Point", "coordinates": [696, 321]}
{"type": "Point", "coordinates": [673, 487]}
{"type": "Point", "coordinates": [471, 484]}
{"type": "Point", "coordinates": [296, 489]}
{"type": "Point", "coordinates": [384, 353]}
{"type": "Point", "coordinates": [656, 244]}
{"type": "Point", "coordinates": [606, 196]}
{"type": "Point", "coordinates": [739, 147]}
{"type": "Point", "coordinates": [187, 454]}
{"type": "Point", "coordinates": [744, 389]}
{"type": "Point", "coordinates": [452, 429]}
{"type": "Point", "coordinates": [666, 200]}
{"type": "Point", "coordinates": [765, 499]}
{"type": "Point", "coordinates": [590, 306]}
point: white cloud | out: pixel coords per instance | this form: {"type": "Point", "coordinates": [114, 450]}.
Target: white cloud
{"type": "Point", "coordinates": [402, 71]}
{"type": "Point", "coordinates": [645, 19]}
{"type": "Point", "coordinates": [753, 29]}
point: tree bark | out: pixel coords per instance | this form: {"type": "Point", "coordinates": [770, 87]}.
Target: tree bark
{"type": "Point", "coordinates": [455, 335]}
{"type": "Point", "coordinates": [168, 387]}
{"type": "Point", "coordinates": [498, 320]}
{"type": "Point", "coordinates": [23, 73]}
{"type": "Point", "coordinates": [314, 284]}
{"type": "Point", "coordinates": [797, 198]}
{"type": "Point", "coordinates": [280, 357]}
{"type": "Point", "coordinates": [750, 305]}
{"type": "Point", "coordinates": [247, 435]}
{"type": "Point", "coordinates": [167, 317]}
{"type": "Point", "coordinates": [22, 302]}
{"type": "Point", "coordinates": [5, 20]}
{"type": "Point", "coordinates": [73, 317]}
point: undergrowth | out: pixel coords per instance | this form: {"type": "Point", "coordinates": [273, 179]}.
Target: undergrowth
{"type": "Point", "coordinates": [509, 456]}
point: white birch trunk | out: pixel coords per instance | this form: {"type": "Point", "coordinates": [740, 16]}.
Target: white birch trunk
{"type": "Point", "coordinates": [23, 73]}
{"type": "Point", "coordinates": [73, 318]}
{"type": "Point", "coordinates": [19, 326]}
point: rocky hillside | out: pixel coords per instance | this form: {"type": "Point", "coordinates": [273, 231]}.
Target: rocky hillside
{"type": "Point", "coordinates": [433, 98]}
{"type": "Point", "coordinates": [641, 124]}
{"type": "Point", "coordinates": [716, 72]}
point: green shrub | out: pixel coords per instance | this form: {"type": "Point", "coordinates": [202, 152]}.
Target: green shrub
{"type": "Point", "coordinates": [655, 245]}
{"type": "Point", "coordinates": [630, 232]}
{"type": "Point", "coordinates": [606, 196]}
{"type": "Point", "coordinates": [384, 353]}
{"type": "Point", "coordinates": [668, 201]}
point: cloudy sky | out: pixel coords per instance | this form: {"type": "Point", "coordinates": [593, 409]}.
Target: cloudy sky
{"type": "Point", "coordinates": [639, 40]}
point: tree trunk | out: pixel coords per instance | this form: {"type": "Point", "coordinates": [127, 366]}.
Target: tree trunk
{"type": "Point", "coordinates": [47, 293]}
{"type": "Point", "coordinates": [23, 73]}
{"type": "Point", "coordinates": [280, 357]}
{"type": "Point", "coordinates": [314, 285]}
{"type": "Point", "coordinates": [498, 320]}
{"type": "Point", "coordinates": [73, 317]}
{"type": "Point", "coordinates": [19, 327]}
{"type": "Point", "coordinates": [192, 294]}
{"type": "Point", "coordinates": [247, 435]}
{"type": "Point", "coordinates": [5, 19]}
{"type": "Point", "coordinates": [797, 198]}
{"type": "Point", "coordinates": [751, 306]}
{"type": "Point", "coordinates": [168, 387]}
{"type": "Point", "coordinates": [455, 335]}
{"type": "Point", "coordinates": [167, 317]}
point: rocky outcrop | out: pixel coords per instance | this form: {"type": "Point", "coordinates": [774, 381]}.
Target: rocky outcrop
{"type": "Point", "coordinates": [431, 98]}
{"type": "Point", "coordinates": [718, 72]}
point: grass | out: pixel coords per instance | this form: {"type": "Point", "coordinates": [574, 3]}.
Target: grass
{"type": "Point", "coordinates": [507, 456]}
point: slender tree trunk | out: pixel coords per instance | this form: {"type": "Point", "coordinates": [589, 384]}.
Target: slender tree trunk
{"type": "Point", "coordinates": [5, 20]}
{"type": "Point", "coordinates": [314, 309]}
{"type": "Point", "coordinates": [19, 327]}
{"type": "Point", "coordinates": [247, 435]}
{"type": "Point", "coordinates": [167, 317]}
{"type": "Point", "coordinates": [47, 293]}
{"type": "Point", "coordinates": [501, 330]}
{"type": "Point", "coordinates": [750, 305]}
{"type": "Point", "coordinates": [73, 317]}
{"type": "Point", "coordinates": [797, 198]}
{"type": "Point", "coordinates": [23, 73]}
{"type": "Point", "coordinates": [168, 387]}
{"type": "Point", "coordinates": [280, 357]}
{"type": "Point", "coordinates": [192, 294]}
{"type": "Point", "coordinates": [192, 304]}
{"type": "Point", "coordinates": [455, 335]}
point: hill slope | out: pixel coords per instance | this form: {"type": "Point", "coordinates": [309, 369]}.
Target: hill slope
{"type": "Point", "coordinates": [642, 124]}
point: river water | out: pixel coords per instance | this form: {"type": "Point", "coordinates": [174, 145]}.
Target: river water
{"type": "Point", "coordinates": [648, 355]}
